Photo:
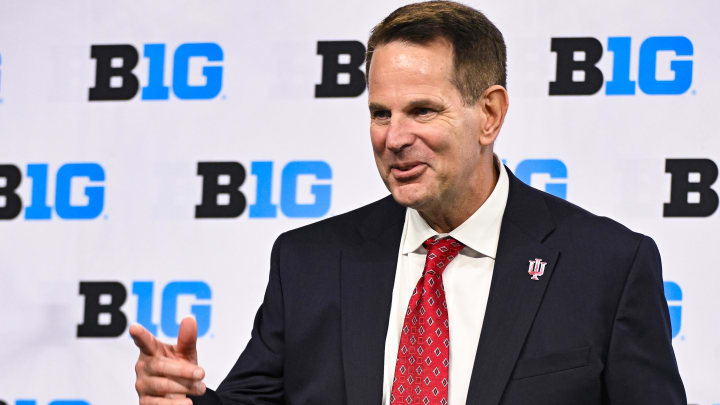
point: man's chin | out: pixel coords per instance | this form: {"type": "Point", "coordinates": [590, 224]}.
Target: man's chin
{"type": "Point", "coordinates": [409, 196]}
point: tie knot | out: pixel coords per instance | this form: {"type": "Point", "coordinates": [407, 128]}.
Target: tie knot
{"type": "Point", "coordinates": [440, 252]}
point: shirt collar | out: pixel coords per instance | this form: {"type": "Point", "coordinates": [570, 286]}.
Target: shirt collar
{"type": "Point", "coordinates": [480, 232]}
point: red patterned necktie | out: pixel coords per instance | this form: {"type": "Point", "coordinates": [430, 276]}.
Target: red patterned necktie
{"type": "Point", "coordinates": [421, 370]}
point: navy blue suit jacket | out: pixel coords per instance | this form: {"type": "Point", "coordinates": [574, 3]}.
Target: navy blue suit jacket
{"type": "Point", "coordinates": [594, 329]}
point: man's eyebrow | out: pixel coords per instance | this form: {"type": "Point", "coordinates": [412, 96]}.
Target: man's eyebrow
{"type": "Point", "coordinates": [424, 102]}
{"type": "Point", "coordinates": [376, 107]}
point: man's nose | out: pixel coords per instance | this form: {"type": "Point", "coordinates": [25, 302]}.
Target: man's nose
{"type": "Point", "coordinates": [399, 134]}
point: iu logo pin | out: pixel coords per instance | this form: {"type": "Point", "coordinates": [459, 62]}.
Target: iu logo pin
{"type": "Point", "coordinates": [536, 269]}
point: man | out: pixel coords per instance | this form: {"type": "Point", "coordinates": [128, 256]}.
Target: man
{"type": "Point", "coordinates": [466, 286]}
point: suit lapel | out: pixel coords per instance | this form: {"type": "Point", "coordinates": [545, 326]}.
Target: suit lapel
{"type": "Point", "coordinates": [367, 278]}
{"type": "Point", "coordinates": [514, 297]}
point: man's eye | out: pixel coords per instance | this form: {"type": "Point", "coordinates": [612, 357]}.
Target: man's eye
{"type": "Point", "coordinates": [424, 112]}
{"type": "Point", "coordinates": [382, 114]}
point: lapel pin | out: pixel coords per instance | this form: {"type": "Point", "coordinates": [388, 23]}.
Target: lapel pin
{"type": "Point", "coordinates": [536, 269]}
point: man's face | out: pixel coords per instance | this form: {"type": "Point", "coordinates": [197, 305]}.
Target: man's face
{"type": "Point", "coordinates": [424, 138]}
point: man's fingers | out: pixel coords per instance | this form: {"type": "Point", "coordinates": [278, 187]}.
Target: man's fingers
{"type": "Point", "coordinates": [187, 339]}
{"type": "Point", "coordinates": [164, 401]}
{"type": "Point", "coordinates": [165, 367]}
{"type": "Point", "coordinates": [160, 386]}
{"type": "Point", "coordinates": [143, 339]}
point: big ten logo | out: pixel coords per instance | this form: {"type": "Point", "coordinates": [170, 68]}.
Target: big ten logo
{"type": "Point", "coordinates": [222, 198]}
{"type": "Point", "coordinates": [115, 80]}
{"type": "Point", "coordinates": [52, 402]}
{"type": "Point", "coordinates": [341, 69]}
{"type": "Point", "coordinates": [691, 194]}
{"type": "Point", "coordinates": [577, 72]}
{"type": "Point", "coordinates": [549, 175]}
{"type": "Point", "coordinates": [79, 191]}
{"type": "Point", "coordinates": [103, 316]}
{"type": "Point", "coordinates": [674, 296]}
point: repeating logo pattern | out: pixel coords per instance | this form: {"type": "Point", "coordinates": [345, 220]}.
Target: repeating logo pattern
{"type": "Point", "coordinates": [421, 371]}
{"type": "Point", "coordinates": [115, 80]}
{"type": "Point", "coordinates": [581, 55]}
{"type": "Point", "coordinates": [65, 207]}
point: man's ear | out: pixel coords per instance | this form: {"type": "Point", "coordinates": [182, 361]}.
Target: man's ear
{"type": "Point", "coordinates": [493, 105]}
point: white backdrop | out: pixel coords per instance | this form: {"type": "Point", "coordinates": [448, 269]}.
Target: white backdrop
{"type": "Point", "coordinates": [258, 104]}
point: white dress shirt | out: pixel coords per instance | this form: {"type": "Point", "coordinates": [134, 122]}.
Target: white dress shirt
{"type": "Point", "coordinates": [467, 285]}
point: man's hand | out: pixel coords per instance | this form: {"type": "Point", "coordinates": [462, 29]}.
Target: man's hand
{"type": "Point", "coordinates": [166, 374]}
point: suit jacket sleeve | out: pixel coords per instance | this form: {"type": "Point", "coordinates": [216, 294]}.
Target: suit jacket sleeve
{"type": "Point", "coordinates": [641, 366]}
{"type": "Point", "coordinates": [257, 377]}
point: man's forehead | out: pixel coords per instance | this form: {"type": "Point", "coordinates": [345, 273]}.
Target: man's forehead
{"type": "Point", "coordinates": [402, 63]}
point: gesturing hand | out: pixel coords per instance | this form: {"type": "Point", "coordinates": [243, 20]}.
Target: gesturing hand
{"type": "Point", "coordinates": [166, 374]}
